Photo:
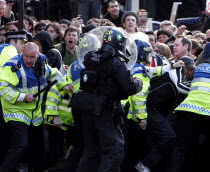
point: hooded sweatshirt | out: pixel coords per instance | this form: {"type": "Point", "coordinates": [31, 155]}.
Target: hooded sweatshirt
{"type": "Point", "coordinates": [53, 55]}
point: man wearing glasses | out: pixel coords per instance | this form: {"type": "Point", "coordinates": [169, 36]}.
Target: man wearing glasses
{"type": "Point", "coordinates": [143, 16]}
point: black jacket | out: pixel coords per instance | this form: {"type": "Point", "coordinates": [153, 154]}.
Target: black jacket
{"type": "Point", "coordinates": [53, 55]}
{"type": "Point", "coordinates": [116, 21]}
{"type": "Point", "coordinates": [113, 80]}
{"type": "Point", "coordinates": [164, 90]}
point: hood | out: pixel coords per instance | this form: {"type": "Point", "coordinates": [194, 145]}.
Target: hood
{"type": "Point", "coordinates": [45, 40]}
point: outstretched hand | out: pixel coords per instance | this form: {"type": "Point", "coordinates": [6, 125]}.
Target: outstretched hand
{"type": "Point", "coordinates": [68, 88]}
{"type": "Point", "coordinates": [178, 64]}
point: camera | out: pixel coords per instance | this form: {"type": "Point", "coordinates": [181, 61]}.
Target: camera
{"type": "Point", "coordinates": [33, 3]}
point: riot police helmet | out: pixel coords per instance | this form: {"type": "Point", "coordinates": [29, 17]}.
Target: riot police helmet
{"type": "Point", "coordinates": [116, 38]}
{"type": "Point", "coordinates": [144, 51]}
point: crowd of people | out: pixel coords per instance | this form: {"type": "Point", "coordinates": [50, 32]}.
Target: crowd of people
{"type": "Point", "coordinates": [136, 100]}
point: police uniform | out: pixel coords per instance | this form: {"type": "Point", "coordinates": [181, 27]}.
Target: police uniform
{"type": "Point", "coordinates": [56, 106]}
{"type": "Point", "coordinates": [103, 142]}
{"type": "Point", "coordinates": [16, 79]}
{"type": "Point", "coordinates": [194, 118]}
{"type": "Point", "coordinates": [138, 111]}
{"type": "Point", "coordinates": [74, 157]}
{"type": "Point", "coordinates": [7, 51]}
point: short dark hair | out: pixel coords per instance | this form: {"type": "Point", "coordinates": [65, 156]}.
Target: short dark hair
{"type": "Point", "coordinates": [130, 13]}
{"type": "Point", "coordinates": [195, 44]}
{"type": "Point", "coordinates": [39, 26]}
{"type": "Point", "coordinates": [164, 32]}
{"type": "Point", "coordinates": [185, 41]}
{"type": "Point", "coordinates": [151, 33]}
{"type": "Point", "coordinates": [72, 29]}
{"type": "Point", "coordinates": [111, 1]}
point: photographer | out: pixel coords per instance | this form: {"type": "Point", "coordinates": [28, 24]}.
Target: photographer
{"type": "Point", "coordinates": [6, 14]}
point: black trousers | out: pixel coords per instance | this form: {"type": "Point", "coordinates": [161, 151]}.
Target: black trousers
{"type": "Point", "coordinates": [55, 150]}
{"type": "Point", "coordinates": [137, 143]}
{"type": "Point", "coordinates": [103, 143]}
{"type": "Point", "coordinates": [190, 126]}
{"type": "Point", "coordinates": [19, 144]}
{"type": "Point", "coordinates": [4, 137]}
{"type": "Point", "coordinates": [19, 134]}
{"type": "Point", "coordinates": [4, 141]}
{"type": "Point", "coordinates": [76, 136]}
{"type": "Point", "coordinates": [163, 137]}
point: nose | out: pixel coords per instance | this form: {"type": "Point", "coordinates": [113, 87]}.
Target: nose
{"type": "Point", "coordinates": [28, 60]}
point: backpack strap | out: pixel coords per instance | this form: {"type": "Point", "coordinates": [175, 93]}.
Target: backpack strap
{"type": "Point", "coordinates": [63, 49]}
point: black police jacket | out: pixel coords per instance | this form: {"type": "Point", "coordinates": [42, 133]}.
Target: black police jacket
{"type": "Point", "coordinates": [111, 78]}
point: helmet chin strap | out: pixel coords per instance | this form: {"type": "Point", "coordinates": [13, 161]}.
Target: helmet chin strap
{"type": "Point", "coordinates": [123, 56]}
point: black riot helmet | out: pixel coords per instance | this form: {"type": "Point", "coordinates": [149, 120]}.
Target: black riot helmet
{"type": "Point", "coordinates": [116, 38]}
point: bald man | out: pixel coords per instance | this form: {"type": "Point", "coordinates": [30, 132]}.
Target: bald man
{"type": "Point", "coordinates": [20, 78]}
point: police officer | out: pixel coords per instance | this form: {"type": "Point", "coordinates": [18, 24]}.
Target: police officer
{"type": "Point", "coordinates": [137, 137]}
{"type": "Point", "coordinates": [104, 81]}
{"type": "Point", "coordinates": [13, 45]}
{"type": "Point", "coordinates": [89, 42]}
{"type": "Point", "coordinates": [58, 118]}
{"type": "Point", "coordinates": [194, 118]}
{"type": "Point", "coordinates": [22, 77]}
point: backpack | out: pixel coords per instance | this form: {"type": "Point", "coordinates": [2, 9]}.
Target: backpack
{"type": "Point", "coordinates": [162, 94]}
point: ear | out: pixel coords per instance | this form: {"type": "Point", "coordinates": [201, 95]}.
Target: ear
{"type": "Point", "coordinates": [107, 9]}
{"type": "Point", "coordinates": [124, 25]}
{"type": "Point", "coordinates": [193, 51]}
{"type": "Point", "coordinates": [30, 27]}
{"type": "Point", "coordinates": [186, 46]}
{"type": "Point", "coordinates": [12, 41]}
